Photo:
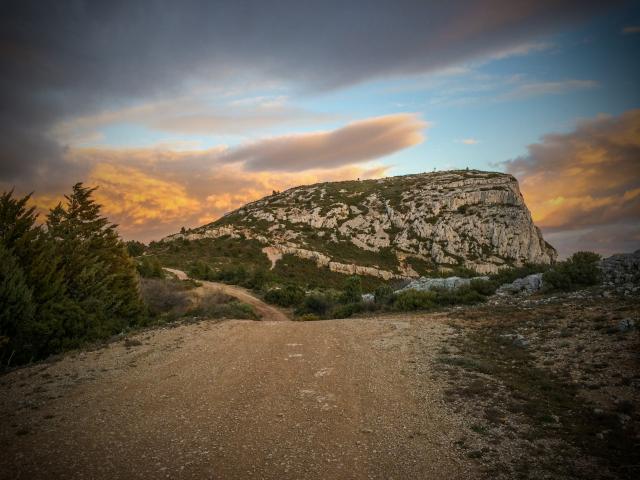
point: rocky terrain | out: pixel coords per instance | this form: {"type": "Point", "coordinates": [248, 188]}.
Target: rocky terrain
{"type": "Point", "coordinates": [397, 227]}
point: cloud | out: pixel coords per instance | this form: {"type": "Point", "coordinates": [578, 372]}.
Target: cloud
{"type": "Point", "coordinates": [528, 90]}
{"type": "Point", "coordinates": [64, 61]}
{"type": "Point", "coordinates": [167, 205]}
{"type": "Point", "coordinates": [630, 30]}
{"type": "Point", "coordinates": [132, 194]}
{"type": "Point", "coordinates": [469, 141]}
{"type": "Point", "coordinates": [360, 141]}
{"type": "Point", "coordinates": [152, 192]}
{"type": "Point", "coordinates": [586, 179]}
{"type": "Point", "coordinates": [192, 114]}
{"type": "Point", "coordinates": [606, 241]}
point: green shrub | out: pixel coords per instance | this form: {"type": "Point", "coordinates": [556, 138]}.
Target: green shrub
{"type": "Point", "coordinates": [317, 303]}
{"type": "Point", "coordinates": [464, 295]}
{"type": "Point", "coordinates": [288, 296]}
{"type": "Point", "coordinates": [235, 274]}
{"type": "Point", "coordinates": [135, 248]}
{"type": "Point", "coordinates": [383, 295]}
{"type": "Point", "coordinates": [348, 310]}
{"type": "Point", "coordinates": [149, 267]}
{"type": "Point", "coordinates": [483, 287]}
{"type": "Point", "coordinates": [307, 317]}
{"type": "Point", "coordinates": [256, 279]}
{"type": "Point", "coordinates": [352, 292]}
{"type": "Point", "coordinates": [411, 300]}
{"type": "Point", "coordinates": [578, 271]}
{"type": "Point", "coordinates": [227, 309]}
{"type": "Point", "coordinates": [200, 270]}
{"type": "Point", "coordinates": [508, 275]}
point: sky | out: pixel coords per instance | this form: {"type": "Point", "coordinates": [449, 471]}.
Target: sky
{"type": "Point", "coordinates": [182, 111]}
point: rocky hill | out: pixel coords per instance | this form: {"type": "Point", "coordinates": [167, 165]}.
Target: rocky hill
{"type": "Point", "coordinates": [396, 227]}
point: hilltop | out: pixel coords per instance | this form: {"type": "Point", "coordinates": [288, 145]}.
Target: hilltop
{"type": "Point", "coordinates": [390, 228]}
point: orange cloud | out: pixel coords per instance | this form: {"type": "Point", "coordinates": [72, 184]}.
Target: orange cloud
{"type": "Point", "coordinates": [151, 193]}
{"type": "Point", "coordinates": [589, 178]}
{"type": "Point", "coordinates": [360, 141]}
{"type": "Point", "coordinates": [139, 198]}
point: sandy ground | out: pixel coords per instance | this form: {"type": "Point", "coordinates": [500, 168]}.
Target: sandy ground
{"type": "Point", "coordinates": [238, 399]}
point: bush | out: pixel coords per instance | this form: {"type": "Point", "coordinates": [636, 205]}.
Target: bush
{"type": "Point", "coordinates": [220, 305]}
{"type": "Point", "coordinates": [411, 300]}
{"type": "Point", "coordinates": [508, 275]}
{"type": "Point", "coordinates": [308, 317]}
{"type": "Point", "coordinates": [316, 303]}
{"type": "Point", "coordinates": [464, 295]}
{"type": "Point", "coordinates": [348, 310]}
{"type": "Point", "coordinates": [352, 292]}
{"type": "Point", "coordinates": [483, 287]}
{"type": "Point", "coordinates": [256, 279]}
{"type": "Point", "coordinates": [149, 267]}
{"type": "Point", "coordinates": [164, 297]}
{"type": "Point", "coordinates": [200, 270]}
{"type": "Point", "coordinates": [234, 274]}
{"type": "Point", "coordinates": [383, 295]}
{"type": "Point", "coordinates": [578, 271]}
{"type": "Point", "coordinates": [288, 296]}
{"type": "Point", "coordinates": [135, 248]}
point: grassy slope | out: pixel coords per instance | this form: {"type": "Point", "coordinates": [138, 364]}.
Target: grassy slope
{"type": "Point", "coordinates": [225, 251]}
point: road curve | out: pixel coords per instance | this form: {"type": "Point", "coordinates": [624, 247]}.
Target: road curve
{"type": "Point", "coordinates": [265, 311]}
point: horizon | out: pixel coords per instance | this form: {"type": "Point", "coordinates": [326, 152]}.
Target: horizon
{"type": "Point", "coordinates": [181, 113]}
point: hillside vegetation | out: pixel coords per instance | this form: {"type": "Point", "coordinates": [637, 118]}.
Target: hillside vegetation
{"type": "Point", "coordinates": [458, 222]}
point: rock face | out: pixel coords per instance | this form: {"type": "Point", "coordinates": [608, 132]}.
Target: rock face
{"type": "Point", "coordinates": [397, 227]}
{"type": "Point", "coordinates": [425, 283]}
{"type": "Point", "coordinates": [621, 269]}
{"type": "Point", "coordinates": [526, 285]}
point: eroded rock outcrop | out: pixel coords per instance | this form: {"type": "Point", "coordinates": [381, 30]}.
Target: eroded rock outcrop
{"type": "Point", "coordinates": [395, 227]}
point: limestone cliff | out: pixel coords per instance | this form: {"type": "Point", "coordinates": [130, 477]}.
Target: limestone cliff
{"type": "Point", "coordinates": [394, 227]}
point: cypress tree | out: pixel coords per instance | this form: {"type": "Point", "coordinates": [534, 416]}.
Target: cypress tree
{"type": "Point", "coordinates": [18, 309]}
{"type": "Point", "coordinates": [60, 286]}
{"type": "Point", "coordinates": [33, 253]}
{"type": "Point", "coordinates": [100, 275]}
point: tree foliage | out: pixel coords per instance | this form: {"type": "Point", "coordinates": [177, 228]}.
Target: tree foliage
{"type": "Point", "coordinates": [578, 271]}
{"type": "Point", "coordinates": [64, 284]}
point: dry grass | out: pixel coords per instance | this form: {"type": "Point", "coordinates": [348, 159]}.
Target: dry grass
{"type": "Point", "coordinates": [572, 389]}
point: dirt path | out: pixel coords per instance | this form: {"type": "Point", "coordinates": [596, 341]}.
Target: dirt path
{"type": "Point", "coordinates": [264, 310]}
{"type": "Point", "coordinates": [236, 400]}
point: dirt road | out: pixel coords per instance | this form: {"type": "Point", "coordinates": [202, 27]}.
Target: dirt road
{"type": "Point", "coordinates": [235, 400]}
{"type": "Point", "coordinates": [264, 310]}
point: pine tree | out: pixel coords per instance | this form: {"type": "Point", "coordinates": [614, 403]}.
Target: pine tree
{"type": "Point", "coordinates": [100, 275]}
{"type": "Point", "coordinates": [33, 252]}
{"type": "Point", "coordinates": [18, 309]}
{"type": "Point", "coordinates": [65, 284]}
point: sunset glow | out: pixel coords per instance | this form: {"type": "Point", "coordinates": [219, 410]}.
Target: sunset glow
{"type": "Point", "coordinates": [177, 127]}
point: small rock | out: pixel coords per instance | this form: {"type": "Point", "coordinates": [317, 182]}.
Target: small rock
{"type": "Point", "coordinates": [626, 324]}
{"type": "Point", "coordinates": [527, 285]}
{"type": "Point", "coordinates": [368, 297]}
{"type": "Point", "coordinates": [516, 340]}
